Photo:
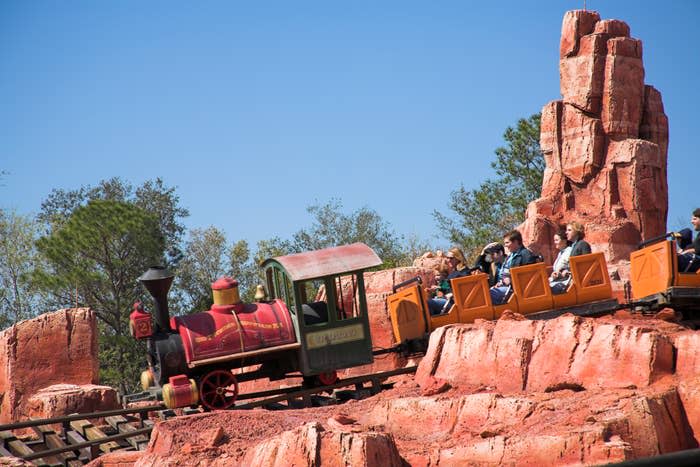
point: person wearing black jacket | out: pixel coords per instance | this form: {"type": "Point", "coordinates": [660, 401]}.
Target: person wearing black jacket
{"type": "Point", "coordinates": [575, 234]}
{"type": "Point", "coordinates": [518, 255]}
{"type": "Point", "coordinates": [490, 261]}
{"type": "Point", "coordinates": [689, 259]}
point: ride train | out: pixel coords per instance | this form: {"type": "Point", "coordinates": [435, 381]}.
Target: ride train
{"type": "Point", "coordinates": [190, 358]}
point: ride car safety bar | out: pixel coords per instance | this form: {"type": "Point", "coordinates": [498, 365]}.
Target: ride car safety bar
{"type": "Point", "coordinates": [418, 279]}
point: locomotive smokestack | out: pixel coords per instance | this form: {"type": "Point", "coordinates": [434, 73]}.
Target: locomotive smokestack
{"type": "Point", "coordinates": [157, 281]}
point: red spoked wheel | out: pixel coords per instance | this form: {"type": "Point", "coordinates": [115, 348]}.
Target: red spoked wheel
{"type": "Point", "coordinates": [218, 390]}
{"type": "Point", "coordinates": [328, 377]}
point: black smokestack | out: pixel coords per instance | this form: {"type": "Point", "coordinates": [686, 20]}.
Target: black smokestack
{"type": "Point", "coordinates": [157, 281]}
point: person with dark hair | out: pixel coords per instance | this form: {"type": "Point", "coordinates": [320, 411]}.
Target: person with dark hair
{"type": "Point", "coordinates": [518, 255]}
{"type": "Point", "coordinates": [575, 234]}
{"type": "Point", "coordinates": [689, 258]}
{"type": "Point", "coordinates": [490, 261]}
{"type": "Point", "coordinates": [560, 278]}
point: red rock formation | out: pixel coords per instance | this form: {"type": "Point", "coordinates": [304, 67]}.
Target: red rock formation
{"type": "Point", "coordinates": [117, 459]}
{"type": "Point", "coordinates": [267, 438]}
{"type": "Point", "coordinates": [15, 462]}
{"type": "Point", "coordinates": [61, 399]}
{"type": "Point", "coordinates": [541, 356]}
{"type": "Point", "coordinates": [605, 143]}
{"type": "Point", "coordinates": [58, 347]}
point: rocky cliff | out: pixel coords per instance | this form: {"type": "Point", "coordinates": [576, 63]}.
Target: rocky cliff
{"type": "Point", "coordinates": [605, 143]}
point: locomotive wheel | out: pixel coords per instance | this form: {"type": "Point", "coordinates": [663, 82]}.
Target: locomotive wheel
{"type": "Point", "coordinates": [328, 377]}
{"type": "Point", "coordinates": [218, 390]}
{"type": "Point", "coordinates": [322, 379]}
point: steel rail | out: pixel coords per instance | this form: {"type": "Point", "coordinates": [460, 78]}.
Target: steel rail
{"type": "Point", "coordinates": [79, 416]}
{"type": "Point", "coordinates": [86, 444]}
{"type": "Point", "coordinates": [339, 384]}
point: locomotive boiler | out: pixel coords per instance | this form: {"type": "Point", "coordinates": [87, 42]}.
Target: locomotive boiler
{"type": "Point", "coordinates": [190, 357]}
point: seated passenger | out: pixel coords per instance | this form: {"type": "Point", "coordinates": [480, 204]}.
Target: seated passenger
{"type": "Point", "coordinates": [490, 261]}
{"type": "Point", "coordinates": [689, 258]}
{"type": "Point", "coordinates": [457, 267]}
{"type": "Point", "coordinates": [441, 287]}
{"type": "Point", "coordinates": [560, 278]}
{"type": "Point", "coordinates": [315, 312]}
{"type": "Point", "coordinates": [518, 255]}
{"type": "Point", "coordinates": [575, 234]}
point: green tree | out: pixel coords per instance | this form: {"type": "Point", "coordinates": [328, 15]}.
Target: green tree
{"type": "Point", "coordinates": [18, 257]}
{"type": "Point", "coordinates": [93, 259]}
{"type": "Point", "coordinates": [332, 227]}
{"type": "Point", "coordinates": [203, 261]}
{"type": "Point", "coordinates": [153, 196]}
{"type": "Point", "coordinates": [206, 257]}
{"type": "Point", "coordinates": [483, 214]}
{"type": "Point", "coordinates": [245, 269]}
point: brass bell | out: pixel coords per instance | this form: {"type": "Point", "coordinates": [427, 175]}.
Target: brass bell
{"type": "Point", "coordinates": [260, 293]}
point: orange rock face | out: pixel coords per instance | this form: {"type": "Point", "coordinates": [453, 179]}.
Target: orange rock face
{"type": "Point", "coordinates": [605, 143]}
{"type": "Point", "coordinates": [54, 348]}
{"type": "Point", "coordinates": [61, 399]}
{"type": "Point", "coordinates": [543, 356]}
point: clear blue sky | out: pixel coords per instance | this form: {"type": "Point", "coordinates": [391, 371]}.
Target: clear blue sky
{"type": "Point", "coordinates": [255, 110]}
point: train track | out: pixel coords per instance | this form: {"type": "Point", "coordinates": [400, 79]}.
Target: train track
{"type": "Point", "coordinates": [75, 440]}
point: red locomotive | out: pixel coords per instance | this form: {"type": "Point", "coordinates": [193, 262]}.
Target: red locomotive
{"type": "Point", "coordinates": [191, 357]}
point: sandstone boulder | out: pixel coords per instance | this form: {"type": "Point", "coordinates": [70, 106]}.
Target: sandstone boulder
{"type": "Point", "coordinates": [557, 428]}
{"type": "Point", "coordinates": [266, 438]}
{"type": "Point", "coordinates": [311, 444]}
{"type": "Point", "coordinates": [576, 23]}
{"type": "Point", "coordinates": [64, 399]}
{"type": "Point", "coordinates": [54, 348]}
{"type": "Point", "coordinates": [623, 88]}
{"type": "Point", "coordinates": [568, 352]}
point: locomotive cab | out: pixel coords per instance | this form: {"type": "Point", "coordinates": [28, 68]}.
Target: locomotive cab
{"type": "Point", "coordinates": [325, 293]}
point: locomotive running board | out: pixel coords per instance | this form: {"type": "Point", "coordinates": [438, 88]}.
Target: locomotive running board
{"type": "Point", "coordinates": [238, 356]}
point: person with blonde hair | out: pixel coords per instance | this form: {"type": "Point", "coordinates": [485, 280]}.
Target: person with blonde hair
{"type": "Point", "coordinates": [575, 234]}
{"type": "Point", "coordinates": [458, 268]}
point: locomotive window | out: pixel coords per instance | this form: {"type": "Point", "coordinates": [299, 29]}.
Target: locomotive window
{"type": "Point", "coordinates": [345, 295]}
{"type": "Point", "coordinates": [314, 302]}
{"type": "Point", "coordinates": [270, 284]}
{"type": "Point", "coordinates": [283, 287]}
{"type": "Point", "coordinates": [288, 291]}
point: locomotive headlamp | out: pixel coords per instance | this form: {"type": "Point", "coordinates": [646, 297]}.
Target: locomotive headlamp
{"type": "Point", "coordinates": [140, 324]}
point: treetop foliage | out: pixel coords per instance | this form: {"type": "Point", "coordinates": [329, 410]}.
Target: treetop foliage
{"type": "Point", "coordinates": [153, 196]}
{"type": "Point", "coordinates": [482, 215]}
{"type": "Point", "coordinates": [18, 298]}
